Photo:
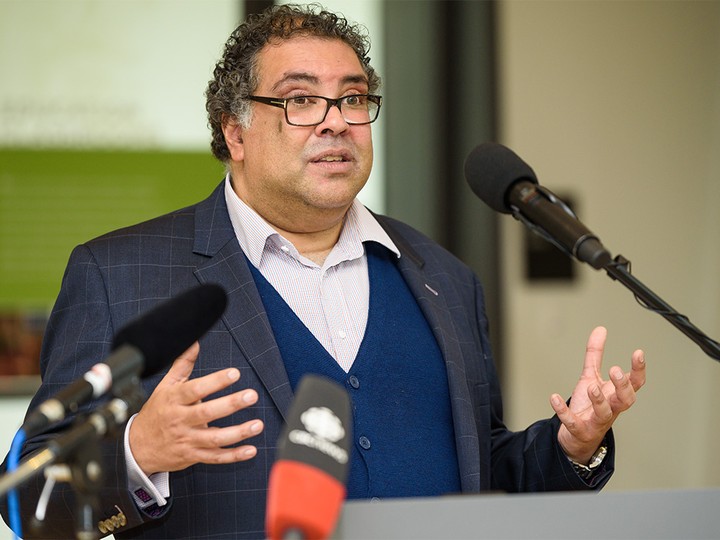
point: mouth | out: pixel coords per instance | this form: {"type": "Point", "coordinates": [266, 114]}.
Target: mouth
{"type": "Point", "coordinates": [333, 156]}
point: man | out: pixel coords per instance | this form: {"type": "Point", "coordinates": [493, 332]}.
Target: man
{"type": "Point", "coordinates": [316, 283]}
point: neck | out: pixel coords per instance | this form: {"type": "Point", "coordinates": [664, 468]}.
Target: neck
{"type": "Point", "coordinates": [315, 245]}
{"type": "Point", "coordinates": [313, 230]}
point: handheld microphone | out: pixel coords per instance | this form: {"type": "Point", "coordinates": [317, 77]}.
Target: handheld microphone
{"type": "Point", "coordinates": [508, 185]}
{"type": "Point", "coordinates": [307, 482]}
{"type": "Point", "coordinates": [141, 348]}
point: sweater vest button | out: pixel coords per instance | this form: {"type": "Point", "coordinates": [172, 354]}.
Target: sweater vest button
{"type": "Point", "coordinates": [354, 381]}
{"type": "Point", "coordinates": [364, 442]}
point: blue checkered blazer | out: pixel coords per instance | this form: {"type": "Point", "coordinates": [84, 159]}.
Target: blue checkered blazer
{"type": "Point", "coordinates": [112, 279]}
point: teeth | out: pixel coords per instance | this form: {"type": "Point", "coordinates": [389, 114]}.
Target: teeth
{"type": "Point", "coordinates": [332, 158]}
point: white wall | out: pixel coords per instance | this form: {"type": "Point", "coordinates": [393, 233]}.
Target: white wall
{"type": "Point", "coordinates": [618, 103]}
{"type": "Point", "coordinates": [109, 73]}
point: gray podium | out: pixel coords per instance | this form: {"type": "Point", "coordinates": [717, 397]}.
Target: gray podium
{"type": "Point", "coordinates": [681, 515]}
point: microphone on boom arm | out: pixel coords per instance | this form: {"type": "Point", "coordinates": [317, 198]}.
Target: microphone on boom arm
{"type": "Point", "coordinates": [508, 185]}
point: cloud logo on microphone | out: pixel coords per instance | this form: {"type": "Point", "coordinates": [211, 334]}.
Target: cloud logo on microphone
{"type": "Point", "coordinates": [324, 429]}
{"type": "Point", "coordinates": [322, 422]}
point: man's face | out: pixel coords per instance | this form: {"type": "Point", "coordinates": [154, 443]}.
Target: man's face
{"type": "Point", "coordinates": [294, 175]}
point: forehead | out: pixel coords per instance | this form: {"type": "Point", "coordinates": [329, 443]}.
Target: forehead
{"type": "Point", "coordinates": [314, 59]}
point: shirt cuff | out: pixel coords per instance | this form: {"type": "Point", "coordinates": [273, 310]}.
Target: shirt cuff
{"type": "Point", "coordinates": [146, 490]}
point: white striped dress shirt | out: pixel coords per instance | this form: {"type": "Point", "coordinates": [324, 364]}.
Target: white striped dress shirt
{"type": "Point", "coordinates": [331, 300]}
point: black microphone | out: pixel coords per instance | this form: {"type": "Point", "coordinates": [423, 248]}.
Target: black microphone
{"type": "Point", "coordinates": [141, 348]}
{"type": "Point", "coordinates": [306, 488]}
{"type": "Point", "coordinates": [507, 184]}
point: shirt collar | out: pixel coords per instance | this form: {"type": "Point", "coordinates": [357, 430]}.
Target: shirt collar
{"type": "Point", "coordinates": [253, 232]}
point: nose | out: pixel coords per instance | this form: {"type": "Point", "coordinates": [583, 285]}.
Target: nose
{"type": "Point", "coordinates": [334, 121]}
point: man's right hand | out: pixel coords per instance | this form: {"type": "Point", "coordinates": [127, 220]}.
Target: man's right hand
{"type": "Point", "coordinates": [171, 431]}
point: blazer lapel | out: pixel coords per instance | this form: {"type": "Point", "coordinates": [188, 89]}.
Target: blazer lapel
{"type": "Point", "coordinates": [245, 315]}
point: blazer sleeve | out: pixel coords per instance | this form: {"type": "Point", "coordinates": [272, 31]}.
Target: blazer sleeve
{"type": "Point", "coordinates": [530, 460]}
{"type": "Point", "coordinates": [79, 334]}
{"type": "Point", "coordinates": [501, 460]}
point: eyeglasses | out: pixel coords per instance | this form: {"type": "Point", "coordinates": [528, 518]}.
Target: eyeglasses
{"type": "Point", "coordinates": [356, 109]}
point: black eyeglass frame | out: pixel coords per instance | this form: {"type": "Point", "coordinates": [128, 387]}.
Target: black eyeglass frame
{"type": "Point", "coordinates": [281, 103]}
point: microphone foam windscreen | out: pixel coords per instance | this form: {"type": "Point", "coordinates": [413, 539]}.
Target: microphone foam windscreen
{"type": "Point", "coordinates": [491, 169]}
{"type": "Point", "coordinates": [166, 331]}
{"type": "Point", "coordinates": [318, 427]}
{"type": "Point", "coordinates": [306, 488]}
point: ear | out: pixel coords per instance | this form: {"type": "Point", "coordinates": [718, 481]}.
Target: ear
{"type": "Point", "coordinates": [233, 138]}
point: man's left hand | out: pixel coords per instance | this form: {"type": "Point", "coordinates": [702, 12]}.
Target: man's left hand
{"type": "Point", "coordinates": [596, 403]}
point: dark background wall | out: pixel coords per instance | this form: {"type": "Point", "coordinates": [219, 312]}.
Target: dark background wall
{"type": "Point", "coordinates": [440, 103]}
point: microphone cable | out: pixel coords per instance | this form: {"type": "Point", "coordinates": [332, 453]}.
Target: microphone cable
{"type": "Point", "coordinates": [13, 501]}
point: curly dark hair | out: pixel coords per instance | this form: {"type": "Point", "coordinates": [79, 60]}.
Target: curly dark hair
{"type": "Point", "coordinates": [235, 74]}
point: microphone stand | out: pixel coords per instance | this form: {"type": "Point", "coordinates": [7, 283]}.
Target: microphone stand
{"type": "Point", "coordinates": [619, 270]}
{"type": "Point", "coordinates": [78, 458]}
{"type": "Point", "coordinates": [85, 461]}
{"type": "Point", "coordinates": [87, 476]}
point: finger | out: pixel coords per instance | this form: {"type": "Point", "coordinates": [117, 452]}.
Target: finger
{"type": "Point", "coordinates": [594, 352]}
{"type": "Point", "coordinates": [566, 416]}
{"type": "Point", "coordinates": [624, 391]}
{"type": "Point", "coordinates": [638, 370]}
{"type": "Point", "coordinates": [195, 390]}
{"type": "Point", "coordinates": [603, 413]}
{"type": "Point", "coordinates": [182, 366]}
{"type": "Point", "coordinates": [207, 411]}
{"type": "Point", "coordinates": [223, 456]}
{"type": "Point", "coordinates": [215, 437]}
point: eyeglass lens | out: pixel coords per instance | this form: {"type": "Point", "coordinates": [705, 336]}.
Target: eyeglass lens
{"type": "Point", "coordinates": [311, 110]}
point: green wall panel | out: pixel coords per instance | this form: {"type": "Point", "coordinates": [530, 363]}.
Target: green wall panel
{"type": "Point", "coordinates": [50, 201]}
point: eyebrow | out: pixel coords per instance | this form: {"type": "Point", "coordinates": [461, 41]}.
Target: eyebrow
{"type": "Point", "coordinates": [294, 76]}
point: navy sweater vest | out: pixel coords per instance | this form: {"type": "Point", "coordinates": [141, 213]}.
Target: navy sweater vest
{"type": "Point", "coordinates": [404, 443]}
